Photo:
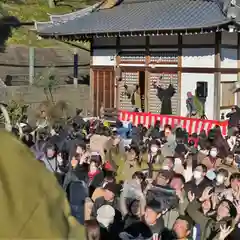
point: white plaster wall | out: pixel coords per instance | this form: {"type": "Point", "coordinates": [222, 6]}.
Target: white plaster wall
{"type": "Point", "coordinates": [206, 38]}
{"type": "Point", "coordinates": [228, 77]}
{"type": "Point", "coordinates": [221, 97]}
{"type": "Point", "coordinates": [189, 82]}
{"type": "Point", "coordinates": [104, 57]}
{"type": "Point", "coordinates": [228, 58]}
{"type": "Point", "coordinates": [105, 42]}
{"type": "Point", "coordinates": [198, 57]}
{"type": "Point", "coordinates": [229, 38]}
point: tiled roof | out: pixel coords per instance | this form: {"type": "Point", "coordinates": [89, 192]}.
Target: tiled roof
{"type": "Point", "coordinates": [133, 15]}
{"type": "Point", "coordinates": [58, 19]}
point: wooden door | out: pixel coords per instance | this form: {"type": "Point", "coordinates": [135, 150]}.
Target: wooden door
{"type": "Point", "coordinates": [103, 90]}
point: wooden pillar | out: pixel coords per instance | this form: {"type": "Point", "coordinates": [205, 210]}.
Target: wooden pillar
{"type": "Point", "coordinates": [238, 66]}
{"type": "Point", "coordinates": [117, 72]}
{"type": "Point", "coordinates": [147, 73]}
{"type": "Point", "coordinates": [217, 76]}
{"type": "Point", "coordinates": [179, 73]}
{"type": "Point", "coordinates": [91, 80]}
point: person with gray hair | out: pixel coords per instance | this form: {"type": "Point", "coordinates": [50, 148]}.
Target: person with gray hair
{"type": "Point", "coordinates": [191, 108]}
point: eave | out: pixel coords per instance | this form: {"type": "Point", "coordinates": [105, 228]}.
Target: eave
{"type": "Point", "coordinates": [190, 31]}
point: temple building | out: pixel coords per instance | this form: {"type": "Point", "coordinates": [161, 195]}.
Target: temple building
{"type": "Point", "coordinates": [156, 44]}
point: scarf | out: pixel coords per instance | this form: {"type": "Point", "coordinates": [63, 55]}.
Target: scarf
{"type": "Point", "coordinates": [91, 175]}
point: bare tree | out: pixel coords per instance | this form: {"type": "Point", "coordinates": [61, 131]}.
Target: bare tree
{"type": "Point", "coordinates": [47, 82]}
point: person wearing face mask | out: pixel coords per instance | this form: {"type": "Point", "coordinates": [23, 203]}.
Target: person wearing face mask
{"type": "Point", "coordinates": [153, 155]}
{"type": "Point", "coordinates": [199, 181]}
{"type": "Point", "coordinates": [212, 161]}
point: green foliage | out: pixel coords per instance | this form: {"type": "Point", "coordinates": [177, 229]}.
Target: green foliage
{"type": "Point", "coordinates": [36, 10]}
{"type": "Point", "coordinates": [47, 82]}
{"type": "Point", "coordinates": [16, 109]}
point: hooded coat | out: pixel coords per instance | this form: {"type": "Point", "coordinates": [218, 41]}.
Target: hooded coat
{"type": "Point", "coordinates": [32, 203]}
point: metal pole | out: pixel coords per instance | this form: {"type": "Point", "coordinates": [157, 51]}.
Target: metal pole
{"type": "Point", "coordinates": [31, 64]}
{"type": "Point", "coordinates": [75, 67]}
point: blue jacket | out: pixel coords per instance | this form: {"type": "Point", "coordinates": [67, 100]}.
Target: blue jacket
{"type": "Point", "coordinates": [124, 132]}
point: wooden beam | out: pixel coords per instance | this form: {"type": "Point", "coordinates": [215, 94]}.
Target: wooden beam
{"type": "Point", "coordinates": [217, 76]}
{"type": "Point", "coordinates": [179, 73]}
{"type": "Point", "coordinates": [172, 69]}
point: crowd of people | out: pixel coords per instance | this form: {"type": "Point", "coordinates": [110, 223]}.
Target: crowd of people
{"type": "Point", "coordinates": [132, 182]}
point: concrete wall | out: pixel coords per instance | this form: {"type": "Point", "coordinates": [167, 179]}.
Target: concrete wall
{"type": "Point", "coordinates": [14, 61]}
{"type": "Point", "coordinates": [75, 97]}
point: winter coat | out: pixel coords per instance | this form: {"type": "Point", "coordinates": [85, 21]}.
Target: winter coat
{"type": "Point", "coordinates": [29, 197]}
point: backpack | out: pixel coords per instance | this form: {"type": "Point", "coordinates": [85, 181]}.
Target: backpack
{"type": "Point", "coordinates": [77, 192]}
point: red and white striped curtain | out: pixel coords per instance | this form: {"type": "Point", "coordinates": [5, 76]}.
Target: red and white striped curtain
{"type": "Point", "coordinates": [192, 125]}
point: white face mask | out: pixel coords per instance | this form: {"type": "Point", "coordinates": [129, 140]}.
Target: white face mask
{"type": "Point", "coordinates": [213, 153]}
{"type": "Point", "coordinates": [154, 149]}
{"type": "Point", "coordinates": [197, 175]}
{"type": "Point", "coordinates": [178, 161]}
{"type": "Point", "coordinates": [165, 167]}
{"type": "Point", "coordinates": [220, 179]}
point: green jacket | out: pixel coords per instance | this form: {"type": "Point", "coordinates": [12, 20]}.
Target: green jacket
{"type": "Point", "coordinates": [171, 216]}
{"type": "Point", "coordinates": [32, 204]}
{"type": "Point", "coordinates": [208, 225]}
{"type": "Point", "coordinates": [198, 105]}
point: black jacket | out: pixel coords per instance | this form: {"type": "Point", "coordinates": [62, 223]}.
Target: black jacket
{"type": "Point", "coordinates": [197, 189]}
{"type": "Point", "coordinates": [234, 118]}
